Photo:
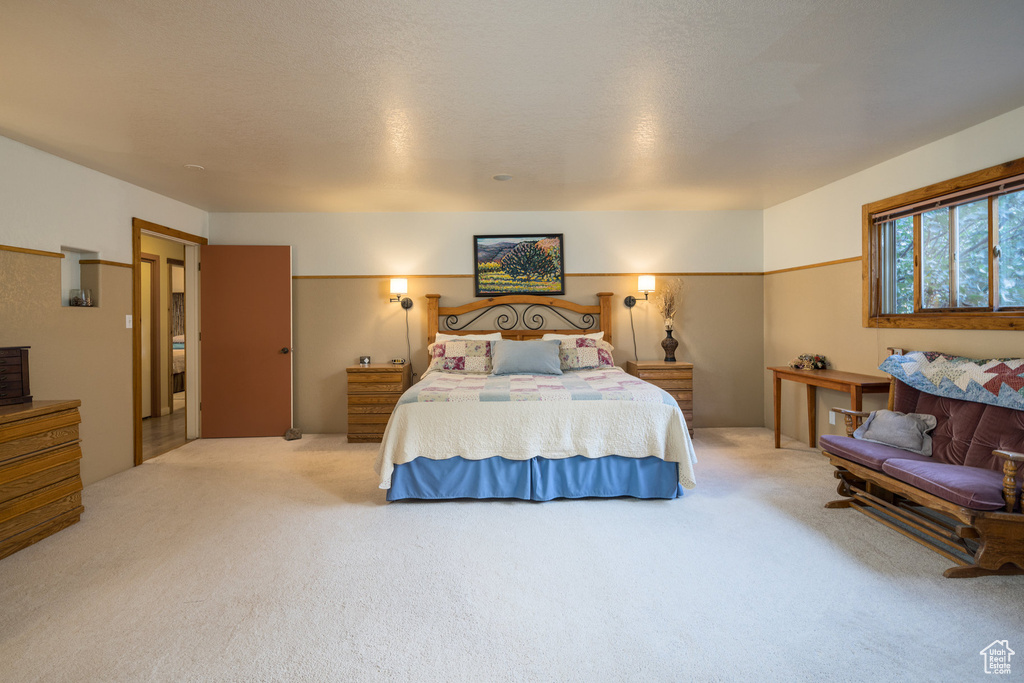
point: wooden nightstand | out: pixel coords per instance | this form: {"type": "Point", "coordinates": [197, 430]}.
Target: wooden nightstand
{"type": "Point", "coordinates": [373, 391]}
{"type": "Point", "coordinates": [675, 378]}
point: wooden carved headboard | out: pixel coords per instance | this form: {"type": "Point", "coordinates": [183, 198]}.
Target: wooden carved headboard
{"type": "Point", "coordinates": [521, 316]}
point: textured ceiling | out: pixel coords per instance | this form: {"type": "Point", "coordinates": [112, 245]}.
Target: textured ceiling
{"type": "Point", "coordinates": [412, 105]}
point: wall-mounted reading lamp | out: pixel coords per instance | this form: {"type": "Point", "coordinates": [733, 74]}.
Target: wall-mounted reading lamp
{"type": "Point", "coordinates": [645, 284]}
{"type": "Point", "coordinates": [400, 286]}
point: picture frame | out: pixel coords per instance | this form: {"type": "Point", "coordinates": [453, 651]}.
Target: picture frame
{"type": "Point", "coordinates": [519, 264]}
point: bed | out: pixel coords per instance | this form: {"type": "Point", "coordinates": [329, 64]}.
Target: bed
{"type": "Point", "coordinates": [178, 363]}
{"type": "Point", "coordinates": [469, 430]}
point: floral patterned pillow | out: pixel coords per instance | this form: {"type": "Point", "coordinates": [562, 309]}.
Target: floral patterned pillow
{"type": "Point", "coordinates": [582, 353]}
{"type": "Point", "coordinates": [463, 357]}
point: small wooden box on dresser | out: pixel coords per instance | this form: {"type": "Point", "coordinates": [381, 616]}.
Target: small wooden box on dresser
{"type": "Point", "coordinates": [40, 485]}
{"type": "Point", "coordinates": [373, 391]}
{"type": "Point", "coordinates": [675, 378]}
{"type": "Point", "coordinates": [14, 387]}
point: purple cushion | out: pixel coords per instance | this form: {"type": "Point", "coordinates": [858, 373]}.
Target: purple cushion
{"type": "Point", "coordinates": [867, 453]}
{"type": "Point", "coordinates": [1000, 429]}
{"type": "Point", "coordinates": [956, 421]}
{"type": "Point", "coordinates": [971, 487]}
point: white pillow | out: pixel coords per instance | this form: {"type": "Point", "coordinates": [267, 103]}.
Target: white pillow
{"type": "Point", "coordinates": [593, 335]}
{"type": "Point", "coordinates": [442, 337]}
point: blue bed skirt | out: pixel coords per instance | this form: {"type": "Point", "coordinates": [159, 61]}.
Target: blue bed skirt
{"type": "Point", "coordinates": [535, 479]}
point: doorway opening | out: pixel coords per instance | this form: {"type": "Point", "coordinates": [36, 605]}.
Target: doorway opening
{"type": "Point", "coordinates": [165, 338]}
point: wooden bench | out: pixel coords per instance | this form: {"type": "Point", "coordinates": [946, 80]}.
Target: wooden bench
{"type": "Point", "coordinates": [962, 502]}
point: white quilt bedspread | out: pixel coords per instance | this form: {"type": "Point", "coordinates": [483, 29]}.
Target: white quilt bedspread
{"type": "Point", "coordinates": [520, 430]}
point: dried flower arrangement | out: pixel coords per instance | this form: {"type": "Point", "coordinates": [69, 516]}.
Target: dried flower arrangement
{"type": "Point", "coordinates": [808, 361]}
{"type": "Point", "coordinates": [668, 302]}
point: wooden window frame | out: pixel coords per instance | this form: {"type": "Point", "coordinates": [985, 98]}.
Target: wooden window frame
{"type": "Point", "coordinates": [965, 319]}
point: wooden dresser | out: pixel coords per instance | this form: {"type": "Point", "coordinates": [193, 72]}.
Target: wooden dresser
{"type": "Point", "coordinates": [40, 486]}
{"type": "Point", "coordinates": [675, 378]}
{"type": "Point", "coordinates": [373, 391]}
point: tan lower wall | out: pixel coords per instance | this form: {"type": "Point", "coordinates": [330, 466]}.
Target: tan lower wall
{"type": "Point", "coordinates": [720, 331]}
{"type": "Point", "coordinates": [83, 353]}
{"type": "Point", "coordinates": [818, 310]}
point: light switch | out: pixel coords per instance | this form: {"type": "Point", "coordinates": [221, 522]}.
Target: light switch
{"type": "Point", "coordinates": [128, 321]}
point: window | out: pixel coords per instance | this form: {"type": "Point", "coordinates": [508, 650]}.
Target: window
{"type": "Point", "coordinates": [950, 255]}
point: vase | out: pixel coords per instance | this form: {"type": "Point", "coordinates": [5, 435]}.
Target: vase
{"type": "Point", "coordinates": [669, 344]}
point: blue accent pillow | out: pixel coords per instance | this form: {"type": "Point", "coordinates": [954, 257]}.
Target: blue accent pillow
{"type": "Point", "coordinates": [526, 357]}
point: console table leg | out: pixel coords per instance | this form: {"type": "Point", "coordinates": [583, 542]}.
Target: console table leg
{"type": "Point", "coordinates": [778, 402]}
{"type": "Point", "coordinates": [812, 415]}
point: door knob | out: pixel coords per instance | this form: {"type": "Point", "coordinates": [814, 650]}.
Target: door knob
{"type": "Point", "coordinates": [285, 350]}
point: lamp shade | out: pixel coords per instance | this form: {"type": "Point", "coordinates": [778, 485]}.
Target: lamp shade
{"type": "Point", "coordinates": [399, 285]}
{"type": "Point", "coordinates": [645, 283]}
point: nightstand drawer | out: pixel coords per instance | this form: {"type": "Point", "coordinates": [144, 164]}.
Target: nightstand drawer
{"type": "Point", "coordinates": [671, 384]}
{"type": "Point", "coordinates": [651, 375]}
{"type": "Point", "coordinates": [365, 429]}
{"type": "Point", "coordinates": [377, 388]}
{"type": "Point", "coordinates": [369, 418]}
{"type": "Point", "coordinates": [375, 378]}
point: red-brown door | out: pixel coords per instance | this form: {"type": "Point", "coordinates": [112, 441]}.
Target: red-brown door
{"type": "Point", "coordinates": [246, 339]}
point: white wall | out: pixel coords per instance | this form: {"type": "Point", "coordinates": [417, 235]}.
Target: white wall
{"type": "Point", "coordinates": [49, 202]}
{"type": "Point", "coordinates": [441, 243]}
{"type": "Point", "coordinates": [825, 225]}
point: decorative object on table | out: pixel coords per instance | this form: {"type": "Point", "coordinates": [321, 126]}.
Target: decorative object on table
{"type": "Point", "coordinates": [364, 360]}
{"type": "Point", "coordinates": [644, 285]}
{"type": "Point", "coordinates": [14, 387]}
{"type": "Point", "coordinates": [809, 361]}
{"type": "Point", "coordinates": [668, 304]}
{"type": "Point", "coordinates": [518, 264]}
{"type": "Point", "coordinates": [80, 297]}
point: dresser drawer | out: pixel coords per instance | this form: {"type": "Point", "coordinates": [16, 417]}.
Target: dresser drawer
{"type": "Point", "coordinates": [38, 424]}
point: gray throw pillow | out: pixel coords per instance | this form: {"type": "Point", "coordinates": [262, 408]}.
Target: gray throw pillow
{"type": "Point", "coordinates": [526, 357]}
{"type": "Point", "coordinates": [906, 431]}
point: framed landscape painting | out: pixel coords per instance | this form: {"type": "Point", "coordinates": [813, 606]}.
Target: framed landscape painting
{"type": "Point", "coordinates": [518, 264]}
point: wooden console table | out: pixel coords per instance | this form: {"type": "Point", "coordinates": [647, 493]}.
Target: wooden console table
{"type": "Point", "coordinates": [850, 382]}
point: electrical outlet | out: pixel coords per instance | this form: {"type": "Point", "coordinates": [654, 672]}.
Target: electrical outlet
{"type": "Point", "coordinates": [831, 417]}
{"type": "Point", "coordinates": [128, 321]}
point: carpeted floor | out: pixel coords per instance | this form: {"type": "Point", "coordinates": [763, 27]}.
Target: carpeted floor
{"type": "Point", "coordinates": [266, 560]}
